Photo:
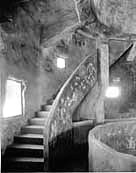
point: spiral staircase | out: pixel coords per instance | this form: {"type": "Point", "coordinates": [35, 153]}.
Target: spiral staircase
{"type": "Point", "coordinates": [48, 137]}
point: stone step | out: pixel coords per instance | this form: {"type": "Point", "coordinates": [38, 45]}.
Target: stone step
{"type": "Point", "coordinates": [83, 123]}
{"type": "Point", "coordinates": [29, 139]}
{"type": "Point", "coordinates": [25, 150]}
{"type": "Point", "coordinates": [23, 164]}
{"type": "Point", "coordinates": [37, 121]}
{"type": "Point", "coordinates": [42, 114]}
{"type": "Point", "coordinates": [46, 107]}
{"type": "Point", "coordinates": [34, 129]}
{"type": "Point", "coordinates": [50, 101]}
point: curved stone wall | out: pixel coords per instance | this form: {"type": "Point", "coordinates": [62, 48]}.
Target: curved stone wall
{"type": "Point", "coordinates": [112, 147]}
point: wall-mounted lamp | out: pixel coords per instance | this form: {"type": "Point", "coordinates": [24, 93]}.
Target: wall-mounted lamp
{"type": "Point", "coordinates": [61, 63]}
{"type": "Point", "coordinates": [112, 92]}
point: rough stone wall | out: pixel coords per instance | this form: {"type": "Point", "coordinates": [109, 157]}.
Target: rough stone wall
{"type": "Point", "coordinates": [73, 54]}
{"type": "Point", "coordinates": [124, 106]}
{"type": "Point", "coordinates": [112, 147]}
{"type": "Point", "coordinates": [119, 14]}
{"type": "Point", "coordinates": [19, 59]}
{"type": "Point", "coordinates": [117, 48]}
{"type": "Point", "coordinates": [107, 18]}
{"type": "Point", "coordinates": [11, 126]}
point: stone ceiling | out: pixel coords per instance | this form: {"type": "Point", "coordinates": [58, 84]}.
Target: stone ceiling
{"type": "Point", "coordinates": [47, 22]}
{"type": "Point", "coordinates": [106, 17]}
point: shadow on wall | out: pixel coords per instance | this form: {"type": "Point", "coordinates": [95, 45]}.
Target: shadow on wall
{"type": "Point", "coordinates": [87, 108]}
{"type": "Point", "coordinates": [60, 150]}
{"type": "Point", "coordinates": [69, 150]}
{"type": "Point", "coordinates": [122, 75]}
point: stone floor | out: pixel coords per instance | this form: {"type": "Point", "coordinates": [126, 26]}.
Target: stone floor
{"type": "Point", "coordinates": [75, 165]}
{"type": "Point", "coordinates": [78, 162]}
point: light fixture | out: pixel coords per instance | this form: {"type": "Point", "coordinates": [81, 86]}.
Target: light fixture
{"type": "Point", "coordinates": [112, 92]}
{"type": "Point", "coordinates": [61, 62]}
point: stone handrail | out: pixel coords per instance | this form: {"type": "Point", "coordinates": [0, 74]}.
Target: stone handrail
{"type": "Point", "coordinates": [70, 95]}
{"type": "Point", "coordinates": [112, 147]}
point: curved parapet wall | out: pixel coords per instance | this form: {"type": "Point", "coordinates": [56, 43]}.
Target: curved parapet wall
{"type": "Point", "coordinates": [58, 130]}
{"type": "Point", "coordinates": [112, 147]}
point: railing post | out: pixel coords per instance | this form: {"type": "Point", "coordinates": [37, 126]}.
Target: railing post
{"type": "Point", "coordinates": [103, 49]}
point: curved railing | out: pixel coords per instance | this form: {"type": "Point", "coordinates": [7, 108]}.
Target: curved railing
{"type": "Point", "coordinates": [71, 94]}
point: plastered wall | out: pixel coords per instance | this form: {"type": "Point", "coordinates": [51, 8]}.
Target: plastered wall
{"type": "Point", "coordinates": [11, 126]}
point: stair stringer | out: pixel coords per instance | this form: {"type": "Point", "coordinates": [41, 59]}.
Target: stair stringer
{"type": "Point", "coordinates": [58, 128]}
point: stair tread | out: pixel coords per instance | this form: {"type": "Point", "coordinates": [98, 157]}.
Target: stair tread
{"type": "Point", "coordinates": [48, 105]}
{"type": "Point", "coordinates": [38, 119]}
{"type": "Point", "coordinates": [33, 126]}
{"type": "Point", "coordinates": [26, 159]}
{"type": "Point", "coordinates": [35, 129]}
{"type": "Point", "coordinates": [30, 135]}
{"type": "Point", "coordinates": [27, 146]}
{"type": "Point", "coordinates": [82, 123]}
{"type": "Point", "coordinates": [44, 111]}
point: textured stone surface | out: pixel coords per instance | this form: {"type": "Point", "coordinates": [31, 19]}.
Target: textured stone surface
{"type": "Point", "coordinates": [71, 94]}
{"type": "Point", "coordinates": [119, 14]}
{"type": "Point", "coordinates": [87, 108]}
{"type": "Point", "coordinates": [124, 106]}
{"type": "Point", "coordinates": [73, 51]}
{"type": "Point", "coordinates": [120, 136]}
{"type": "Point", "coordinates": [103, 80]}
{"type": "Point", "coordinates": [116, 48]}
{"type": "Point", "coordinates": [11, 126]}
{"type": "Point", "coordinates": [45, 18]}
{"type": "Point", "coordinates": [108, 145]}
{"type": "Point", "coordinates": [108, 17]}
{"type": "Point", "coordinates": [56, 16]}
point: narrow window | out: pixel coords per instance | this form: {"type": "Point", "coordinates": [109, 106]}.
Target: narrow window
{"type": "Point", "coordinates": [14, 98]}
{"type": "Point", "coordinates": [61, 63]}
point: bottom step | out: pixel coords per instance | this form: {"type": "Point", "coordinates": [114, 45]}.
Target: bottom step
{"type": "Point", "coordinates": [21, 164]}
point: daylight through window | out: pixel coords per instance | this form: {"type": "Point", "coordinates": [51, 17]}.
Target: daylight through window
{"type": "Point", "coordinates": [13, 99]}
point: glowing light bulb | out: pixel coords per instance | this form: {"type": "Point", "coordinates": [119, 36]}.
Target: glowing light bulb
{"type": "Point", "coordinates": [112, 92]}
{"type": "Point", "coordinates": [60, 63]}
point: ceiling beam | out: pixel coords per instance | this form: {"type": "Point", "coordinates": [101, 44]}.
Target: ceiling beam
{"type": "Point", "coordinates": [122, 38]}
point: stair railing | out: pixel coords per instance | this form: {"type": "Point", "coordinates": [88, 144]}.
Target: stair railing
{"type": "Point", "coordinates": [80, 82]}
